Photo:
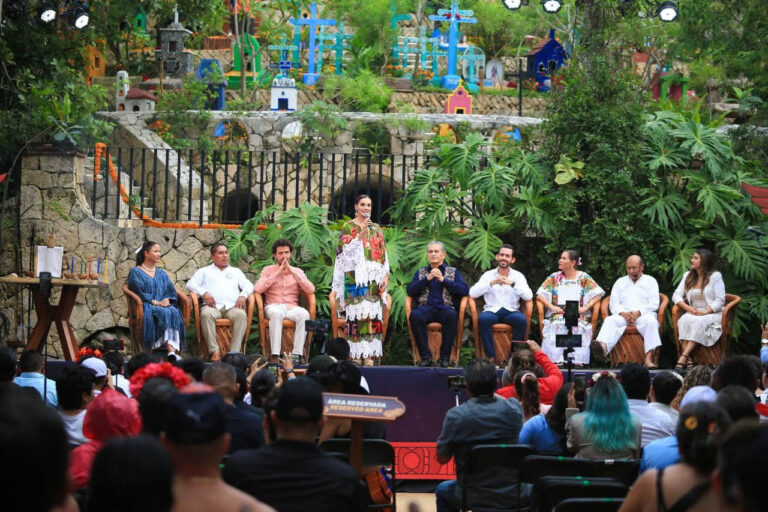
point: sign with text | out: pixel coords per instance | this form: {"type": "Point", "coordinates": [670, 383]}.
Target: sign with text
{"type": "Point", "coordinates": [363, 407]}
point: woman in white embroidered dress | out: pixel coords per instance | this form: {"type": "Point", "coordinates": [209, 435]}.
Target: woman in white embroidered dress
{"type": "Point", "coordinates": [360, 277]}
{"type": "Point", "coordinates": [701, 294]}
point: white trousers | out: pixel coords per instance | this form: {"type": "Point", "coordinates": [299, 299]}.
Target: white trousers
{"type": "Point", "coordinates": [614, 326]}
{"type": "Point", "coordinates": [276, 313]}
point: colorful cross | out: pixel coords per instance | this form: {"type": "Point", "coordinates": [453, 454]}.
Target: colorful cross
{"type": "Point", "coordinates": [312, 22]}
{"type": "Point", "coordinates": [394, 19]}
{"type": "Point", "coordinates": [285, 63]}
{"type": "Point", "coordinates": [473, 55]}
{"type": "Point", "coordinates": [453, 16]}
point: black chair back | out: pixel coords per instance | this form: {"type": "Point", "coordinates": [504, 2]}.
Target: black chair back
{"type": "Point", "coordinates": [549, 491]}
{"type": "Point", "coordinates": [489, 477]}
{"type": "Point", "coordinates": [536, 466]}
{"type": "Point", "coordinates": [590, 504]}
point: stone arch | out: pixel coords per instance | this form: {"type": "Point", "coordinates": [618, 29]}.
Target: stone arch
{"type": "Point", "coordinates": [239, 205]}
{"type": "Point", "coordinates": [382, 189]}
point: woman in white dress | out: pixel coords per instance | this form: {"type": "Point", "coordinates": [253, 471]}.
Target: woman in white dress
{"type": "Point", "coordinates": [568, 283]}
{"type": "Point", "coordinates": [701, 294]}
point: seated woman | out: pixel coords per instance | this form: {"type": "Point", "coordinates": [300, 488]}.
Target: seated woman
{"type": "Point", "coordinates": [527, 390]}
{"type": "Point", "coordinates": [163, 323]}
{"type": "Point", "coordinates": [568, 283]}
{"type": "Point", "coordinates": [606, 429]}
{"type": "Point", "coordinates": [546, 431]}
{"type": "Point", "coordinates": [684, 486]}
{"type": "Point", "coordinates": [701, 294]}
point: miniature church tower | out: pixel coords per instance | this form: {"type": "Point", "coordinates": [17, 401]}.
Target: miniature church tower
{"type": "Point", "coordinates": [284, 95]}
{"type": "Point", "coordinates": [129, 99]}
{"type": "Point", "coordinates": [177, 62]}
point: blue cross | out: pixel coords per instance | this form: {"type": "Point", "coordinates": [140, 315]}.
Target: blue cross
{"type": "Point", "coordinates": [453, 16]}
{"type": "Point", "coordinates": [312, 22]}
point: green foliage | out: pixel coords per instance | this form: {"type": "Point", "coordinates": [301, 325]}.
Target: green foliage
{"type": "Point", "coordinates": [321, 119]}
{"type": "Point", "coordinates": [364, 92]}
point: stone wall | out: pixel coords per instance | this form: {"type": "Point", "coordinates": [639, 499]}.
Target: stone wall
{"type": "Point", "coordinates": [53, 198]}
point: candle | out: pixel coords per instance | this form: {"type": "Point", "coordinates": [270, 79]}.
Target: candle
{"type": "Point", "coordinates": [98, 266]}
{"type": "Point", "coordinates": [72, 265]}
{"type": "Point", "coordinates": [90, 261]}
{"type": "Point", "coordinates": [106, 267]}
{"type": "Point", "coordinates": [35, 263]}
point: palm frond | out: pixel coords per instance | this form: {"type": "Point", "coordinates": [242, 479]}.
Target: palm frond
{"type": "Point", "coordinates": [307, 227]}
{"type": "Point", "coordinates": [664, 205]}
{"type": "Point", "coordinates": [482, 240]}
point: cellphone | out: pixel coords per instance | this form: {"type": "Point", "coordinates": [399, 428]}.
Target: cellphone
{"type": "Point", "coordinates": [273, 368]}
{"type": "Point", "coordinates": [579, 388]}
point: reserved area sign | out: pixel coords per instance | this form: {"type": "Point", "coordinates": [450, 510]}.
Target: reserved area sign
{"type": "Point", "coordinates": [363, 407]}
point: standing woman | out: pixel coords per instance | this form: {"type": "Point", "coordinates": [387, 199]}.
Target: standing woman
{"type": "Point", "coordinates": [701, 294]}
{"type": "Point", "coordinates": [163, 323]}
{"type": "Point", "coordinates": [360, 277]}
{"type": "Point", "coordinates": [568, 283]}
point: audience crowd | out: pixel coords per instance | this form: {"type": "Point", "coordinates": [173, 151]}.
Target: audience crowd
{"type": "Point", "coordinates": [148, 435]}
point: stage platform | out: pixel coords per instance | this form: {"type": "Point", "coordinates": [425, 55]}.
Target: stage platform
{"type": "Point", "coordinates": [427, 397]}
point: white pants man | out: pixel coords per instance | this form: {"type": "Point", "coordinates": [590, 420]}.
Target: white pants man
{"type": "Point", "coordinates": [276, 313]}
{"type": "Point", "coordinates": [208, 317]}
{"type": "Point", "coordinates": [614, 326]}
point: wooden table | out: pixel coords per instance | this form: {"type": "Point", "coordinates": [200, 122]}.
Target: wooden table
{"type": "Point", "coordinates": [48, 313]}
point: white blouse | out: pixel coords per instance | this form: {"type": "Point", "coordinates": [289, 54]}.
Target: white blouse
{"type": "Point", "coordinates": [714, 292]}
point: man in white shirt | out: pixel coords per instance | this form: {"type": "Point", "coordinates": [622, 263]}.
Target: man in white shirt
{"type": "Point", "coordinates": [636, 381]}
{"type": "Point", "coordinates": [501, 289]}
{"type": "Point", "coordinates": [634, 301]}
{"type": "Point", "coordinates": [223, 291]}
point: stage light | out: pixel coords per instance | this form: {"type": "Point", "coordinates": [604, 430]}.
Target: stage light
{"type": "Point", "coordinates": [512, 5]}
{"type": "Point", "coordinates": [551, 6]}
{"type": "Point", "coordinates": [667, 11]}
{"type": "Point", "coordinates": [77, 14]}
{"type": "Point", "coordinates": [16, 8]}
{"type": "Point", "coordinates": [47, 11]}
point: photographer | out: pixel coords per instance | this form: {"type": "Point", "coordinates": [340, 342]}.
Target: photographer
{"type": "Point", "coordinates": [484, 418]}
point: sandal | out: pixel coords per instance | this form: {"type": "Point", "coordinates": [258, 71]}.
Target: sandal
{"type": "Point", "coordinates": [681, 366]}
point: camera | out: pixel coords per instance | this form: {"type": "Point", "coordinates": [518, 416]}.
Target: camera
{"type": "Point", "coordinates": [113, 345]}
{"type": "Point", "coordinates": [456, 382]}
{"type": "Point", "coordinates": [318, 326]}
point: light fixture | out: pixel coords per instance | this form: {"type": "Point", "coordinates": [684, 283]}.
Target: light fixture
{"type": "Point", "coordinates": [512, 5]}
{"type": "Point", "coordinates": [77, 14]}
{"type": "Point", "coordinates": [551, 6]}
{"type": "Point", "coordinates": [47, 11]}
{"type": "Point", "coordinates": [667, 11]}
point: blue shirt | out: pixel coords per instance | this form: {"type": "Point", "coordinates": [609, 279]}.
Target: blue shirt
{"type": "Point", "coordinates": [764, 354]}
{"type": "Point", "coordinates": [36, 380]}
{"type": "Point", "coordinates": [537, 432]}
{"type": "Point", "coordinates": [457, 287]}
{"type": "Point", "coordinates": [660, 454]}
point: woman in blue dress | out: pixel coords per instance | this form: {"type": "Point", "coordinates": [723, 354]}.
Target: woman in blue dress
{"type": "Point", "coordinates": [163, 323]}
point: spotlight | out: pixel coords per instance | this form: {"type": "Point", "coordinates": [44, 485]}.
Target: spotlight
{"type": "Point", "coordinates": [551, 6]}
{"type": "Point", "coordinates": [667, 11]}
{"type": "Point", "coordinates": [16, 8]}
{"type": "Point", "coordinates": [512, 5]}
{"type": "Point", "coordinates": [47, 11]}
{"type": "Point", "coordinates": [77, 14]}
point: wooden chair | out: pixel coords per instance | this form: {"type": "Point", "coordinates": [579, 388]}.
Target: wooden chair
{"type": "Point", "coordinates": [502, 333]}
{"type": "Point", "coordinates": [339, 321]}
{"type": "Point", "coordinates": [289, 326]}
{"type": "Point", "coordinates": [223, 328]}
{"type": "Point", "coordinates": [435, 334]}
{"type": "Point", "coordinates": [710, 355]}
{"type": "Point", "coordinates": [540, 307]}
{"type": "Point", "coordinates": [630, 348]}
{"type": "Point", "coordinates": [136, 315]}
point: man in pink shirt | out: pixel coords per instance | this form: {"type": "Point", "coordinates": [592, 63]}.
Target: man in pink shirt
{"type": "Point", "coordinates": [281, 283]}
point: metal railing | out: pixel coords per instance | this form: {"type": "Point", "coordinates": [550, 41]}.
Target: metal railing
{"type": "Point", "coordinates": [229, 186]}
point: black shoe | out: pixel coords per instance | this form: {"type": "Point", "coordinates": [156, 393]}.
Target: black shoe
{"type": "Point", "coordinates": [445, 363]}
{"type": "Point", "coordinates": [426, 363]}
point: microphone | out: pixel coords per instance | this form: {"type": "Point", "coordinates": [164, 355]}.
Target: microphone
{"type": "Point", "coordinates": [756, 231]}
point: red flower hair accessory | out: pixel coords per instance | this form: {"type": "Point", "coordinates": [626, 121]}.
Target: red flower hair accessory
{"type": "Point", "coordinates": [596, 376]}
{"type": "Point", "coordinates": [86, 352]}
{"type": "Point", "coordinates": [167, 370]}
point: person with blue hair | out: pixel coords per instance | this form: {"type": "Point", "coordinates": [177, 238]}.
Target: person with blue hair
{"type": "Point", "coordinates": [606, 429]}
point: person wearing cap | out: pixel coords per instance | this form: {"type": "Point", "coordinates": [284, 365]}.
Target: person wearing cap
{"type": "Point", "coordinates": [244, 427]}
{"type": "Point", "coordinates": [281, 284]}
{"type": "Point", "coordinates": [223, 291]}
{"type": "Point", "coordinates": [196, 438]}
{"type": "Point", "coordinates": [437, 289]}
{"type": "Point", "coordinates": [292, 473]}
{"type": "Point", "coordinates": [32, 366]}
{"type": "Point", "coordinates": [665, 451]}
{"type": "Point", "coordinates": [100, 373]}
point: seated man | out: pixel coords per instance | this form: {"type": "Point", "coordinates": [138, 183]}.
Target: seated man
{"type": "Point", "coordinates": [74, 386]}
{"type": "Point", "coordinates": [634, 301]}
{"type": "Point", "coordinates": [437, 289]}
{"type": "Point", "coordinates": [636, 381]}
{"type": "Point", "coordinates": [483, 419]}
{"type": "Point", "coordinates": [501, 289]}
{"type": "Point", "coordinates": [664, 388]}
{"type": "Point", "coordinates": [272, 472]}
{"type": "Point", "coordinates": [281, 283]}
{"type": "Point", "coordinates": [32, 367]}
{"type": "Point", "coordinates": [244, 427]}
{"type": "Point", "coordinates": [223, 291]}
{"type": "Point", "coordinates": [196, 438]}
